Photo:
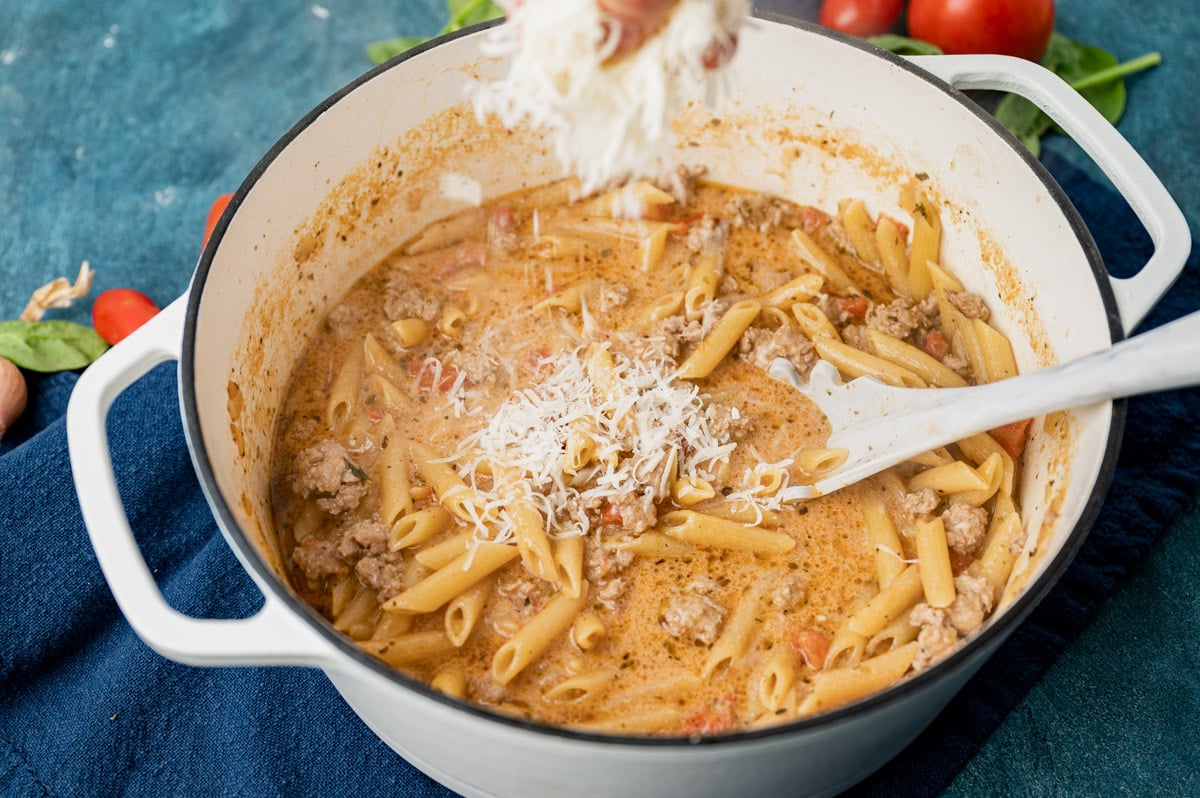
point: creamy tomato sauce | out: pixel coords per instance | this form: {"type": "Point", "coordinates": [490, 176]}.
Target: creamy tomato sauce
{"type": "Point", "coordinates": [503, 338]}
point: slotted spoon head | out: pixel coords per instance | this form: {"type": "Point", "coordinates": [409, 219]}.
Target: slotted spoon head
{"type": "Point", "coordinates": [877, 425]}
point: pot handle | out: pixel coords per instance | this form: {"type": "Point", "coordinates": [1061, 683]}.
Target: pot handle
{"type": "Point", "coordinates": [273, 636]}
{"type": "Point", "coordinates": [1137, 183]}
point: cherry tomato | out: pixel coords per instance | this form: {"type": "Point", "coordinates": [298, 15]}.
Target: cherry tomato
{"type": "Point", "coordinates": [214, 216]}
{"type": "Point", "coordinates": [860, 17]}
{"type": "Point", "coordinates": [117, 312]}
{"type": "Point", "coordinates": [1007, 27]}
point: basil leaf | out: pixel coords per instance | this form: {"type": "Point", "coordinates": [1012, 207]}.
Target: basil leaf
{"type": "Point", "coordinates": [49, 345]}
{"type": "Point", "coordinates": [902, 45]}
{"type": "Point", "coordinates": [388, 49]}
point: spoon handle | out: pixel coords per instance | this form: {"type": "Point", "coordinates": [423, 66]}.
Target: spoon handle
{"type": "Point", "coordinates": [1163, 358]}
{"type": "Point", "coordinates": [880, 425]}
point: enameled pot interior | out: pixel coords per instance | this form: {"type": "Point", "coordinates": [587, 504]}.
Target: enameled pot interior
{"type": "Point", "coordinates": [817, 118]}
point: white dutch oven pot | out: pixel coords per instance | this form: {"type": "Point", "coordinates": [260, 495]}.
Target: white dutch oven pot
{"type": "Point", "coordinates": [817, 118]}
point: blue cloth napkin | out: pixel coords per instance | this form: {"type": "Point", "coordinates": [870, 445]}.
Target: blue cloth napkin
{"type": "Point", "coordinates": [87, 709]}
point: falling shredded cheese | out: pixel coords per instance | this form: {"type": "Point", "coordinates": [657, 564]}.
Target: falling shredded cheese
{"type": "Point", "coordinates": [609, 117]}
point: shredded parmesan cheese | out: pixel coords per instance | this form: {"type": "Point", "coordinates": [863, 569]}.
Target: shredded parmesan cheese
{"type": "Point", "coordinates": [609, 117]}
{"type": "Point", "coordinates": [641, 425]}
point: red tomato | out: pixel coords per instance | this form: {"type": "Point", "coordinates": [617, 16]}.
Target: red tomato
{"type": "Point", "coordinates": [423, 371]}
{"type": "Point", "coordinates": [214, 216]}
{"type": "Point", "coordinates": [855, 307]}
{"type": "Point", "coordinates": [812, 645]}
{"type": "Point", "coordinates": [860, 17]}
{"type": "Point", "coordinates": [1008, 27]}
{"type": "Point", "coordinates": [936, 345]}
{"type": "Point", "coordinates": [119, 311]}
{"type": "Point", "coordinates": [1012, 437]}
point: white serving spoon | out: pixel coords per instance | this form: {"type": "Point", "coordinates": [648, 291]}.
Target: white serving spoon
{"type": "Point", "coordinates": [880, 425]}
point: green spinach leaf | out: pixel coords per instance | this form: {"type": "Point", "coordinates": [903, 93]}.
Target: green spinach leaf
{"type": "Point", "coordinates": [49, 345]}
{"type": "Point", "coordinates": [902, 45]}
{"type": "Point", "coordinates": [1092, 71]}
{"type": "Point", "coordinates": [463, 13]}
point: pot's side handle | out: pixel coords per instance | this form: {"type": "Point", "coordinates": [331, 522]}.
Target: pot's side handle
{"type": "Point", "coordinates": [272, 636]}
{"type": "Point", "coordinates": [1141, 188]}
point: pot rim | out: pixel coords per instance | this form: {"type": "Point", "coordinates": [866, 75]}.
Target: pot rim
{"type": "Point", "coordinates": [964, 657]}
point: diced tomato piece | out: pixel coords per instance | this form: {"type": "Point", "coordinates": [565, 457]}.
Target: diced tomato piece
{"type": "Point", "coordinates": [536, 359]}
{"type": "Point", "coordinates": [812, 220]}
{"type": "Point", "coordinates": [1012, 437]}
{"type": "Point", "coordinates": [713, 719]}
{"type": "Point", "coordinates": [959, 561]}
{"type": "Point", "coordinates": [611, 515]}
{"type": "Point", "coordinates": [504, 218]}
{"type": "Point", "coordinates": [855, 306]}
{"type": "Point", "coordinates": [901, 228]}
{"type": "Point", "coordinates": [683, 225]}
{"type": "Point", "coordinates": [811, 644]}
{"type": "Point", "coordinates": [375, 414]}
{"type": "Point", "coordinates": [425, 373]}
{"type": "Point", "coordinates": [464, 257]}
{"type": "Point", "coordinates": [936, 345]}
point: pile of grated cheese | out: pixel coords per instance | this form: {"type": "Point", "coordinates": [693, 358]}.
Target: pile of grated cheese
{"type": "Point", "coordinates": [638, 424]}
{"type": "Point", "coordinates": [609, 119]}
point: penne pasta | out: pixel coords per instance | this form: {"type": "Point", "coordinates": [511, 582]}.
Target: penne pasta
{"type": "Point", "coordinates": [861, 232]}
{"type": "Point", "coordinates": [815, 256]}
{"type": "Point", "coordinates": [655, 546]}
{"type": "Point", "coordinates": [734, 639]}
{"type": "Point", "coordinates": [833, 688]}
{"type": "Point", "coordinates": [777, 679]}
{"type": "Point", "coordinates": [906, 356]}
{"type": "Point", "coordinates": [857, 363]}
{"type": "Point", "coordinates": [520, 650]}
{"type": "Point", "coordinates": [583, 688]}
{"type": "Point", "coordinates": [710, 531]}
{"type": "Point", "coordinates": [568, 564]}
{"type": "Point", "coordinates": [464, 610]}
{"type": "Point", "coordinates": [409, 648]}
{"type": "Point", "coordinates": [451, 580]}
{"type": "Point", "coordinates": [720, 341]}
{"type": "Point", "coordinates": [892, 602]}
{"type": "Point", "coordinates": [937, 579]}
{"type": "Point", "coordinates": [799, 289]}
{"type": "Point", "coordinates": [893, 255]}
{"type": "Point", "coordinates": [441, 554]}
{"type": "Point", "coordinates": [702, 285]}
{"type": "Point", "coordinates": [419, 526]}
{"type": "Point", "coordinates": [882, 536]}
{"type": "Point", "coordinates": [343, 393]}
{"type": "Point", "coordinates": [926, 244]}
{"type": "Point", "coordinates": [409, 332]}
{"type": "Point", "coordinates": [395, 486]}
{"type": "Point", "coordinates": [814, 322]}
{"type": "Point", "coordinates": [462, 501]}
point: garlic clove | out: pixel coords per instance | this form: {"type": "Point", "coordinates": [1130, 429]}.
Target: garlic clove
{"type": "Point", "coordinates": [13, 394]}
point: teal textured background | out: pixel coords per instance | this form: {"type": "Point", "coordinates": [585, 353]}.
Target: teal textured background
{"type": "Point", "coordinates": [120, 121]}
